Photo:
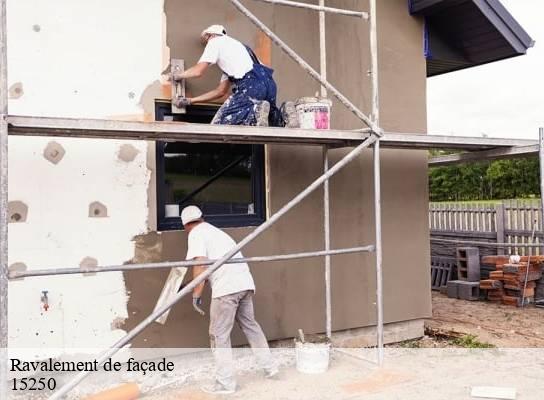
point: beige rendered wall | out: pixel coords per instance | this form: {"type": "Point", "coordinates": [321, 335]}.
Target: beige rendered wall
{"type": "Point", "coordinates": [290, 295]}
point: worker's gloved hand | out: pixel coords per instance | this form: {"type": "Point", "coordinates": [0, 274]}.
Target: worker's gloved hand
{"type": "Point", "coordinates": [197, 302]}
{"type": "Point", "coordinates": [176, 76]}
{"type": "Point", "coordinates": [182, 102]}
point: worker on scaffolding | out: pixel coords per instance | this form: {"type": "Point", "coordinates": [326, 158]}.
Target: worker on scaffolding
{"type": "Point", "coordinates": [253, 98]}
{"type": "Point", "coordinates": [232, 300]}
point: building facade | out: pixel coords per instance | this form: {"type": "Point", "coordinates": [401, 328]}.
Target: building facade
{"type": "Point", "coordinates": [105, 202]}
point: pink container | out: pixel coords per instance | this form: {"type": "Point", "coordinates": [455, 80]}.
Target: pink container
{"type": "Point", "coordinates": [313, 113]}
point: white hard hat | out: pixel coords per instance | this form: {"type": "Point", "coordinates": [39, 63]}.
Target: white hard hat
{"type": "Point", "coordinates": [190, 214]}
{"type": "Point", "coordinates": [215, 30]}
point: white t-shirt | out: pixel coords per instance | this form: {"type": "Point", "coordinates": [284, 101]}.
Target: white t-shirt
{"type": "Point", "coordinates": [206, 240]}
{"type": "Point", "coordinates": [229, 54]}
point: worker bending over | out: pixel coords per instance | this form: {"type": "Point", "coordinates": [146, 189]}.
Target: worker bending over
{"type": "Point", "coordinates": [253, 98]}
{"type": "Point", "coordinates": [232, 300]}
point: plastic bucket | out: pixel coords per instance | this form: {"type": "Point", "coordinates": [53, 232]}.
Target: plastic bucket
{"type": "Point", "coordinates": [312, 356]}
{"type": "Point", "coordinates": [313, 113]}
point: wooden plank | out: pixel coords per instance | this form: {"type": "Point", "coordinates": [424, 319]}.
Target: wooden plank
{"type": "Point", "coordinates": [455, 213]}
{"type": "Point", "coordinates": [523, 233]}
{"type": "Point", "coordinates": [465, 234]}
{"type": "Point", "coordinates": [516, 221]}
{"type": "Point", "coordinates": [464, 213]}
{"type": "Point", "coordinates": [178, 131]}
{"type": "Point", "coordinates": [491, 217]}
{"type": "Point", "coordinates": [499, 224]}
{"type": "Point", "coordinates": [486, 218]}
{"type": "Point", "coordinates": [472, 224]}
{"type": "Point", "coordinates": [178, 87]}
{"type": "Point", "coordinates": [113, 129]}
{"type": "Point", "coordinates": [509, 226]}
{"type": "Point", "coordinates": [483, 218]}
{"type": "Point", "coordinates": [449, 225]}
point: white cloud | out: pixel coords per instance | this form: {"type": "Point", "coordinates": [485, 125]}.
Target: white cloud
{"type": "Point", "coordinates": [501, 99]}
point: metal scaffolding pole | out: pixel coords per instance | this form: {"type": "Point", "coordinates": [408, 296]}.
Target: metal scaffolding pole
{"type": "Point", "coordinates": [187, 289]}
{"type": "Point", "coordinates": [541, 159]}
{"type": "Point", "coordinates": [327, 231]}
{"type": "Point", "coordinates": [3, 204]}
{"type": "Point", "coordinates": [186, 264]}
{"type": "Point", "coordinates": [377, 180]}
{"type": "Point", "coordinates": [322, 49]}
{"type": "Point", "coordinates": [326, 191]}
{"type": "Point", "coordinates": [305, 66]}
{"type": "Point", "coordinates": [320, 8]}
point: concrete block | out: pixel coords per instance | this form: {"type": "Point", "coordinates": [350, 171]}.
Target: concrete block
{"type": "Point", "coordinates": [539, 290]}
{"type": "Point", "coordinates": [468, 264]}
{"type": "Point", "coordinates": [452, 289]}
{"type": "Point", "coordinates": [469, 290]}
{"type": "Point", "coordinates": [465, 252]}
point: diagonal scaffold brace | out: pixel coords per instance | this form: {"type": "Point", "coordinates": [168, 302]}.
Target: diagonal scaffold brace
{"type": "Point", "coordinates": [187, 289]}
{"type": "Point", "coordinates": [307, 67]}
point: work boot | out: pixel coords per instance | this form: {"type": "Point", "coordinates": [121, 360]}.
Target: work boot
{"type": "Point", "coordinates": [217, 388]}
{"type": "Point", "coordinates": [262, 108]}
{"type": "Point", "coordinates": [289, 115]}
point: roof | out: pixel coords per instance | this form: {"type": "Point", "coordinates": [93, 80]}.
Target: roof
{"type": "Point", "coordinates": [466, 33]}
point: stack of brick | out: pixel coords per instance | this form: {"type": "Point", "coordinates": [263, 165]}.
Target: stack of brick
{"type": "Point", "coordinates": [539, 290]}
{"type": "Point", "coordinates": [507, 283]}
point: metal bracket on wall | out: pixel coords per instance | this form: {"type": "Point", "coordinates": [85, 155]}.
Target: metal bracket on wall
{"type": "Point", "coordinates": [178, 88]}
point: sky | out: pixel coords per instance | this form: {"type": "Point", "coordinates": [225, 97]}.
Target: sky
{"type": "Point", "coordinates": [501, 99]}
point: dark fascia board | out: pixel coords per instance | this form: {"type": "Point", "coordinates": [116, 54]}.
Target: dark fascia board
{"type": "Point", "coordinates": [461, 67]}
{"type": "Point", "coordinates": [505, 23]}
{"type": "Point", "coordinates": [429, 7]}
{"type": "Point", "coordinates": [497, 15]}
{"type": "Point", "coordinates": [493, 10]}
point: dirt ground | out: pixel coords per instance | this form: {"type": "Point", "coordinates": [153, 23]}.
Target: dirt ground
{"type": "Point", "coordinates": [496, 324]}
{"type": "Point", "coordinates": [451, 359]}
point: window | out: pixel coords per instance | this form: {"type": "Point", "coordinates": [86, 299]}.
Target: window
{"type": "Point", "coordinates": [225, 180]}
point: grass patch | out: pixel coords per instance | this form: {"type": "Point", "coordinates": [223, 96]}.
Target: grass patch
{"type": "Point", "coordinates": [440, 339]}
{"type": "Point", "coordinates": [471, 342]}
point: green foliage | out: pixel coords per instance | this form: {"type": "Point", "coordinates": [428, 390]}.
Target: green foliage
{"type": "Point", "coordinates": [501, 179]}
{"type": "Point", "coordinates": [471, 342]}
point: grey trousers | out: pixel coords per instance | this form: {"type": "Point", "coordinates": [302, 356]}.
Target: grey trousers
{"type": "Point", "coordinates": [223, 312]}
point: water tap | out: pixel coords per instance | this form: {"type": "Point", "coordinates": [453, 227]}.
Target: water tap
{"type": "Point", "coordinates": [45, 300]}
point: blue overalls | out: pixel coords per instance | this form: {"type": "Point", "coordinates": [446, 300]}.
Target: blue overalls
{"type": "Point", "coordinates": [247, 92]}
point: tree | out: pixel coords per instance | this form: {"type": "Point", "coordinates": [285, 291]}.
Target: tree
{"type": "Point", "coordinates": [501, 179]}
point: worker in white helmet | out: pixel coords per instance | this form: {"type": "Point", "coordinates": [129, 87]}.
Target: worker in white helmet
{"type": "Point", "coordinates": [253, 98]}
{"type": "Point", "coordinates": [232, 300]}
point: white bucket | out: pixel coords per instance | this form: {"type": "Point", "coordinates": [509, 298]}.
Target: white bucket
{"type": "Point", "coordinates": [313, 113]}
{"type": "Point", "coordinates": [312, 358]}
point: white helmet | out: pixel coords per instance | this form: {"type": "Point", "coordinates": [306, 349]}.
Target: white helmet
{"type": "Point", "coordinates": [214, 30]}
{"type": "Point", "coordinates": [190, 214]}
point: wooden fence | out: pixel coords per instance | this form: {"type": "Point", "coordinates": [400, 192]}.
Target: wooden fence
{"type": "Point", "coordinates": [509, 222]}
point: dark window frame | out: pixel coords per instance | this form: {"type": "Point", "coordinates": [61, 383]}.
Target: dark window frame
{"type": "Point", "coordinates": [162, 110]}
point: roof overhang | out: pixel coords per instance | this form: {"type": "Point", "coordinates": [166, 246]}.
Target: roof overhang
{"type": "Point", "coordinates": [466, 33]}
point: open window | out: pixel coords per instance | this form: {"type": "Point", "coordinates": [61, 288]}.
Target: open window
{"type": "Point", "coordinates": [225, 180]}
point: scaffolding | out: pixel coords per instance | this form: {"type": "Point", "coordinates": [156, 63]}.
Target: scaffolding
{"type": "Point", "coordinates": [370, 136]}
